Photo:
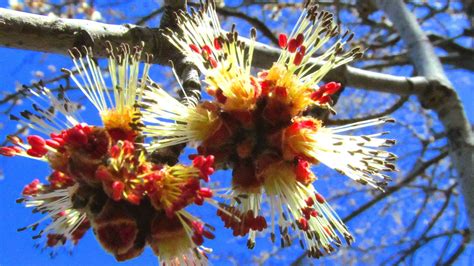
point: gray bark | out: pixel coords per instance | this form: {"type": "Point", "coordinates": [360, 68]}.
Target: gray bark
{"type": "Point", "coordinates": [56, 35]}
{"type": "Point", "coordinates": [441, 97]}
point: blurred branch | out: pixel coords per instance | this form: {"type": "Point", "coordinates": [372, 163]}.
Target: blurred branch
{"type": "Point", "coordinates": [153, 14]}
{"type": "Point", "coordinates": [388, 111]}
{"type": "Point", "coordinates": [465, 241]}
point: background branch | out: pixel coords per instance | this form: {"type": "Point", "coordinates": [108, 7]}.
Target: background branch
{"type": "Point", "coordinates": [441, 97]}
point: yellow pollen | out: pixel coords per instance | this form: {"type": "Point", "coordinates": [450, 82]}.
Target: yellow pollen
{"type": "Point", "coordinates": [205, 124]}
{"type": "Point", "coordinates": [298, 138]}
{"type": "Point", "coordinates": [298, 95]}
{"type": "Point", "coordinates": [118, 119]}
{"type": "Point", "coordinates": [276, 174]}
{"type": "Point", "coordinates": [170, 185]}
{"type": "Point", "coordinates": [241, 92]}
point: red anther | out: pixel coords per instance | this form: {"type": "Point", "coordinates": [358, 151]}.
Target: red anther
{"type": "Point", "coordinates": [302, 171]}
{"type": "Point", "coordinates": [210, 160]}
{"type": "Point", "coordinates": [308, 124]}
{"type": "Point", "coordinates": [55, 135]}
{"type": "Point", "coordinates": [193, 185]}
{"type": "Point", "coordinates": [59, 140]}
{"type": "Point", "coordinates": [103, 174]}
{"type": "Point", "coordinates": [207, 50]}
{"type": "Point", "coordinates": [53, 144]}
{"type": "Point", "coordinates": [128, 147]}
{"type": "Point", "coordinates": [198, 227]}
{"type": "Point", "coordinates": [197, 239]}
{"type": "Point", "coordinates": [76, 137]}
{"type": "Point", "coordinates": [133, 198]}
{"type": "Point", "coordinates": [32, 188]}
{"type": "Point", "coordinates": [299, 40]}
{"type": "Point", "coordinates": [316, 95]}
{"type": "Point", "coordinates": [198, 161]}
{"type": "Point", "coordinates": [319, 198]}
{"type": "Point", "coordinates": [36, 152]}
{"type": "Point", "coordinates": [154, 176]}
{"type": "Point", "coordinates": [283, 41]}
{"type": "Point", "coordinates": [309, 201]}
{"type": "Point", "coordinates": [302, 49]}
{"type": "Point", "coordinates": [36, 141]}
{"type": "Point", "coordinates": [314, 213]}
{"type": "Point", "coordinates": [86, 128]}
{"type": "Point", "coordinates": [303, 224]}
{"type": "Point", "coordinates": [298, 58]}
{"type": "Point", "coordinates": [217, 44]}
{"type": "Point", "coordinates": [205, 192]}
{"type": "Point", "coordinates": [7, 151]}
{"type": "Point", "coordinates": [281, 92]}
{"type": "Point", "coordinates": [205, 173]}
{"type": "Point", "coordinates": [330, 88]}
{"type": "Point", "coordinates": [299, 125]}
{"type": "Point", "coordinates": [208, 234]}
{"type": "Point", "coordinates": [261, 223]}
{"type": "Point", "coordinates": [306, 212]}
{"type": "Point", "coordinates": [117, 190]}
{"type": "Point", "coordinates": [266, 85]}
{"type": "Point", "coordinates": [220, 97]}
{"type": "Point", "coordinates": [195, 48]}
{"type": "Point", "coordinates": [262, 74]}
{"type": "Point", "coordinates": [292, 46]}
{"type": "Point", "coordinates": [324, 99]}
{"type": "Point", "coordinates": [114, 151]}
{"type": "Point", "coordinates": [213, 62]}
{"type": "Point", "coordinates": [199, 200]}
{"type": "Point", "coordinates": [60, 180]}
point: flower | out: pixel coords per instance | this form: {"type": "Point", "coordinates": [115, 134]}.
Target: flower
{"type": "Point", "coordinates": [175, 122]}
{"type": "Point", "coordinates": [354, 156]}
{"type": "Point", "coordinates": [222, 58]}
{"type": "Point", "coordinates": [257, 126]}
{"type": "Point", "coordinates": [102, 178]}
{"type": "Point", "coordinates": [177, 240]}
{"type": "Point", "coordinates": [56, 199]}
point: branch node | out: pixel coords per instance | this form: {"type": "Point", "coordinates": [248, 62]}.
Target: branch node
{"type": "Point", "coordinates": [83, 38]}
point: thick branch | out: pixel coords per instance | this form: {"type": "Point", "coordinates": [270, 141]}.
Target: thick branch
{"type": "Point", "coordinates": [442, 97]}
{"type": "Point", "coordinates": [55, 35]}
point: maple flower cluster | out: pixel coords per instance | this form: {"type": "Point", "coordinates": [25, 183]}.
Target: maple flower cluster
{"type": "Point", "coordinates": [101, 176]}
{"type": "Point", "coordinates": [256, 124]}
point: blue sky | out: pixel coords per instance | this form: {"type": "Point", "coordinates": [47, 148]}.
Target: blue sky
{"type": "Point", "coordinates": [17, 67]}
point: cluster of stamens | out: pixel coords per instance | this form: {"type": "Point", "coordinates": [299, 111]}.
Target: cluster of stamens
{"type": "Point", "coordinates": [257, 125]}
{"type": "Point", "coordinates": [102, 176]}
{"type": "Point", "coordinates": [260, 128]}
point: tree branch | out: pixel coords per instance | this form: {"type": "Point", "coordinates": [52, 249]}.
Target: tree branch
{"type": "Point", "coordinates": [56, 35]}
{"type": "Point", "coordinates": [388, 111]}
{"type": "Point", "coordinates": [441, 97]}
